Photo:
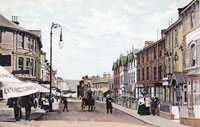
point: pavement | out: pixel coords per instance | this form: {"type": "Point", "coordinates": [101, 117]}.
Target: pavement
{"type": "Point", "coordinates": [149, 119]}
{"type": "Point", "coordinates": [7, 114]}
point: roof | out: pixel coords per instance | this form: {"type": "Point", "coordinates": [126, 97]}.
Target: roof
{"type": "Point", "coordinates": [123, 60]}
{"type": "Point", "coordinates": [145, 48]}
{"type": "Point", "coordinates": [4, 22]}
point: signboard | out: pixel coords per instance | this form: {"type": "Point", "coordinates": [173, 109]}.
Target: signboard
{"type": "Point", "coordinates": [12, 89]}
{"type": "Point", "coordinates": [5, 60]}
{"type": "Point", "coordinates": [192, 36]}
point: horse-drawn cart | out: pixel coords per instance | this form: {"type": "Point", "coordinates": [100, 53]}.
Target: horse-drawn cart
{"type": "Point", "coordinates": [89, 101]}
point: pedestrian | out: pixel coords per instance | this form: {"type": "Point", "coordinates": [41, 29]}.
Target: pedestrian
{"type": "Point", "coordinates": [17, 104]}
{"type": "Point", "coordinates": [141, 108]}
{"type": "Point", "coordinates": [36, 103]}
{"type": "Point", "coordinates": [109, 104]}
{"type": "Point", "coordinates": [65, 105]}
{"type": "Point", "coordinates": [155, 102]}
{"type": "Point", "coordinates": [28, 105]}
{"type": "Point", "coordinates": [147, 104]}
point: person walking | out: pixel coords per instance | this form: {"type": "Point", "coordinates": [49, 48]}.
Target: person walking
{"type": "Point", "coordinates": [109, 104]}
{"type": "Point", "coordinates": [141, 108]}
{"type": "Point", "coordinates": [154, 103]}
{"type": "Point", "coordinates": [65, 105]}
{"type": "Point", "coordinates": [147, 104]}
{"type": "Point", "coordinates": [17, 104]}
{"type": "Point", "coordinates": [28, 105]}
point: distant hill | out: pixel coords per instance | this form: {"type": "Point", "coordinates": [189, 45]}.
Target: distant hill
{"type": "Point", "coordinates": [72, 83]}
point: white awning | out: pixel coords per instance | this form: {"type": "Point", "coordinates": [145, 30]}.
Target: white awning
{"type": "Point", "coordinates": [41, 89]}
{"type": "Point", "coordinates": [12, 87]}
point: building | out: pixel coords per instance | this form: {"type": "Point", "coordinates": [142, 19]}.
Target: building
{"type": "Point", "coordinates": [123, 76]}
{"type": "Point", "coordinates": [101, 86]}
{"type": "Point", "coordinates": [150, 68]}
{"type": "Point", "coordinates": [43, 67]}
{"type": "Point", "coordinates": [116, 77]}
{"type": "Point", "coordinates": [20, 49]}
{"type": "Point", "coordinates": [132, 73]}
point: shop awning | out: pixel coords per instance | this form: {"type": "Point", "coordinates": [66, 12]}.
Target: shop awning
{"type": "Point", "coordinates": [12, 87]}
{"type": "Point", "coordinates": [41, 89]}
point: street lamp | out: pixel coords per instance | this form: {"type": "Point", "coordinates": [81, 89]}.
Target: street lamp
{"type": "Point", "coordinates": [54, 25]}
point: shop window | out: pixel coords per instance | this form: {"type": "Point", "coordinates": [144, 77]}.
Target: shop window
{"type": "Point", "coordinates": [193, 55]}
{"type": "Point", "coordinates": [196, 92]}
{"type": "Point", "coordinates": [189, 92]}
{"type": "Point", "coordinates": [159, 91]}
{"type": "Point", "coordinates": [20, 63]}
{"type": "Point", "coordinates": [152, 92]}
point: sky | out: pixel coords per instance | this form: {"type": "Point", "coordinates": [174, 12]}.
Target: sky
{"type": "Point", "coordinates": [95, 32]}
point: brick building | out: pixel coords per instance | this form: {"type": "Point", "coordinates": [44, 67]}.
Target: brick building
{"type": "Point", "coordinates": [151, 67]}
{"type": "Point", "coordinates": [116, 77]}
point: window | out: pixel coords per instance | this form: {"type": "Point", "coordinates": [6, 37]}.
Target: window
{"type": "Point", "coordinates": [28, 64]}
{"type": "Point", "coordinates": [176, 37]}
{"type": "Point", "coordinates": [147, 55]}
{"type": "Point", "coordinates": [28, 43]}
{"type": "Point", "coordinates": [193, 55]}
{"type": "Point", "coordinates": [138, 59]}
{"type": "Point", "coordinates": [196, 92]}
{"type": "Point", "coordinates": [20, 63]}
{"type": "Point", "coordinates": [31, 67]}
{"type": "Point", "coordinates": [189, 92]}
{"type": "Point", "coordinates": [133, 76]}
{"type": "Point", "coordinates": [154, 52]}
{"type": "Point", "coordinates": [0, 36]}
{"type": "Point", "coordinates": [184, 94]}
{"type": "Point", "coordinates": [142, 57]}
{"type": "Point", "coordinates": [31, 44]}
{"type": "Point", "coordinates": [169, 63]}
{"type": "Point", "coordinates": [35, 71]}
{"type": "Point", "coordinates": [142, 73]}
{"type": "Point", "coordinates": [160, 72]}
{"type": "Point", "coordinates": [20, 41]}
{"type": "Point", "coordinates": [154, 72]}
{"type": "Point", "coordinates": [192, 19]}
{"type": "Point", "coordinates": [138, 75]}
{"type": "Point", "coordinates": [147, 73]}
{"type": "Point", "coordinates": [35, 45]}
{"type": "Point", "coordinates": [160, 50]}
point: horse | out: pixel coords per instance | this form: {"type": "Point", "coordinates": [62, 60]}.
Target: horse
{"type": "Point", "coordinates": [88, 102]}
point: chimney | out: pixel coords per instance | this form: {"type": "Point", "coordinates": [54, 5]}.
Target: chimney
{"type": "Point", "coordinates": [15, 19]}
{"type": "Point", "coordinates": [163, 33]}
{"type": "Point", "coordinates": [104, 75]}
{"type": "Point", "coordinates": [108, 76]}
{"type": "Point", "coordinates": [147, 43]}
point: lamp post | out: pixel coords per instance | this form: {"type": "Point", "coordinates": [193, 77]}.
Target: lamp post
{"type": "Point", "coordinates": [54, 25]}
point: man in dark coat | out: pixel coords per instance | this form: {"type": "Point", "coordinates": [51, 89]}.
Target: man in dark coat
{"type": "Point", "coordinates": [17, 104]}
{"type": "Point", "coordinates": [28, 105]}
{"type": "Point", "coordinates": [155, 102]}
{"type": "Point", "coordinates": [65, 105]}
{"type": "Point", "coordinates": [109, 104]}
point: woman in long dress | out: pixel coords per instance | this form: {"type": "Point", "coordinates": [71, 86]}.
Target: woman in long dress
{"type": "Point", "coordinates": [141, 108]}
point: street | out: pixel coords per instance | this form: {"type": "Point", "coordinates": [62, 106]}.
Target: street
{"type": "Point", "coordinates": [78, 118]}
